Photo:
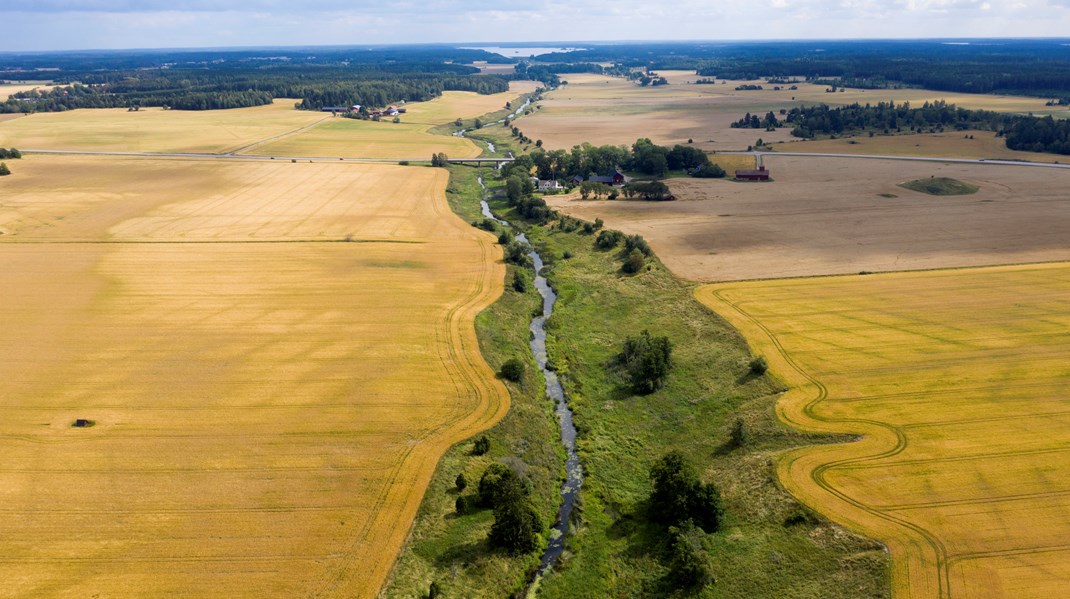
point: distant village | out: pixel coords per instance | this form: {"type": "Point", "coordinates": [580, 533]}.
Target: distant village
{"type": "Point", "coordinates": [389, 111]}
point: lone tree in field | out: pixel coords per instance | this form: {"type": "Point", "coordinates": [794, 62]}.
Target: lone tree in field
{"type": "Point", "coordinates": [679, 495]}
{"type": "Point", "coordinates": [738, 436]}
{"type": "Point", "coordinates": [4, 171]}
{"type": "Point", "coordinates": [647, 360]}
{"type": "Point", "coordinates": [481, 446]}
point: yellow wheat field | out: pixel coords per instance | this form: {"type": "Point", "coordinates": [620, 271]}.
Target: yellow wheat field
{"type": "Point", "coordinates": [9, 89]}
{"type": "Point", "coordinates": [608, 110]}
{"type": "Point", "coordinates": [155, 129]}
{"type": "Point", "coordinates": [956, 382]}
{"type": "Point", "coordinates": [465, 105]}
{"type": "Point", "coordinates": [950, 144]}
{"type": "Point", "coordinates": [270, 400]}
{"type": "Point", "coordinates": [352, 138]}
{"type": "Point", "coordinates": [411, 139]}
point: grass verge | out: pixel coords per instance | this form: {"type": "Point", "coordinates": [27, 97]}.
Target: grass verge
{"type": "Point", "coordinates": [769, 546]}
{"type": "Point", "coordinates": [452, 550]}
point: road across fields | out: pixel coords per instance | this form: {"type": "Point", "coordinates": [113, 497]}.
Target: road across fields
{"type": "Point", "coordinates": [499, 160]}
{"type": "Point", "coordinates": [232, 156]}
{"type": "Point", "coordinates": [909, 158]}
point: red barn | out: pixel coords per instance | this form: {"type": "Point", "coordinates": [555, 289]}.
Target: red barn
{"type": "Point", "coordinates": [753, 175]}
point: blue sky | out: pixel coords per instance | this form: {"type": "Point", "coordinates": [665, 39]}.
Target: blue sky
{"type": "Point", "coordinates": [79, 24]}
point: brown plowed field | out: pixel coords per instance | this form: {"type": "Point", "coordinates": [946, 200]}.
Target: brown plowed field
{"type": "Point", "coordinates": [827, 216]}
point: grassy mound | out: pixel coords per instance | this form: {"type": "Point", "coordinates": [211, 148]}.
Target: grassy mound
{"type": "Point", "coordinates": [940, 186]}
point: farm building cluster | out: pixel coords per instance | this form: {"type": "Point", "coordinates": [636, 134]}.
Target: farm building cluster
{"type": "Point", "coordinates": [615, 178]}
{"type": "Point", "coordinates": [391, 110]}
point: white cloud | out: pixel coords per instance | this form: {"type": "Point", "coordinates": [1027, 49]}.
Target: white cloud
{"type": "Point", "coordinates": [67, 24]}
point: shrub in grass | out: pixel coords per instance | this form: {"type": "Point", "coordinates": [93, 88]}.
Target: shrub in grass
{"type": "Point", "coordinates": [679, 495]}
{"type": "Point", "coordinates": [689, 564]}
{"type": "Point", "coordinates": [608, 239]}
{"type": "Point", "coordinates": [738, 436]}
{"type": "Point", "coordinates": [520, 282]}
{"type": "Point", "coordinates": [634, 262]}
{"type": "Point", "coordinates": [758, 366]}
{"type": "Point", "coordinates": [482, 446]}
{"type": "Point", "coordinates": [513, 370]}
{"type": "Point", "coordinates": [647, 360]}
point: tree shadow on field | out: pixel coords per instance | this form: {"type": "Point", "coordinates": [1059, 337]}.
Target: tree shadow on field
{"type": "Point", "coordinates": [642, 536]}
{"type": "Point", "coordinates": [465, 553]}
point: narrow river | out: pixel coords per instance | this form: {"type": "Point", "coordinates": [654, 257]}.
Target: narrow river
{"type": "Point", "coordinates": [554, 391]}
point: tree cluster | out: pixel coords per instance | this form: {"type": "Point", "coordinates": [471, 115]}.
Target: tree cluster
{"type": "Point", "coordinates": [753, 121]}
{"type": "Point", "coordinates": [10, 153]}
{"type": "Point", "coordinates": [646, 359]}
{"type": "Point", "coordinates": [222, 88]}
{"type": "Point", "coordinates": [1027, 133]}
{"type": "Point", "coordinates": [1035, 134]}
{"type": "Point", "coordinates": [679, 495]}
{"type": "Point", "coordinates": [518, 190]}
{"type": "Point", "coordinates": [888, 117]}
{"type": "Point", "coordinates": [647, 190]}
{"type": "Point", "coordinates": [1029, 67]}
{"type": "Point", "coordinates": [517, 527]}
{"type": "Point", "coordinates": [585, 160]}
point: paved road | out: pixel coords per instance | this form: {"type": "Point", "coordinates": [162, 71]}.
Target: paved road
{"type": "Point", "coordinates": [910, 158]}
{"type": "Point", "coordinates": [395, 160]}
{"type": "Point", "coordinates": [221, 156]}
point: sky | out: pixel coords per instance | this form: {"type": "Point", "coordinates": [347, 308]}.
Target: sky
{"type": "Point", "coordinates": [100, 24]}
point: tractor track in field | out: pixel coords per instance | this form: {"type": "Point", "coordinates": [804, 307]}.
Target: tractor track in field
{"type": "Point", "coordinates": [491, 401]}
{"type": "Point", "coordinates": [818, 475]}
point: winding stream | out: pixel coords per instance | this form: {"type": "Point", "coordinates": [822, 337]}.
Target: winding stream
{"type": "Point", "coordinates": [490, 146]}
{"type": "Point", "coordinates": [554, 390]}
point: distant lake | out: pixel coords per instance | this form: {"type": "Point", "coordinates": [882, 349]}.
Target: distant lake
{"type": "Point", "coordinates": [519, 52]}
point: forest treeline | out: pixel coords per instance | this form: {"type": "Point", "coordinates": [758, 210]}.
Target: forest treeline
{"type": "Point", "coordinates": [1039, 68]}
{"type": "Point", "coordinates": [1021, 132]}
{"type": "Point", "coordinates": [585, 160]}
{"type": "Point", "coordinates": [314, 88]}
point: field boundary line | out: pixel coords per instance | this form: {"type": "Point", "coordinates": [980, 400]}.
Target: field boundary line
{"type": "Point", "coordinates": [877, 440]}
{"type": "Point", "coordinates": [992, 161]}
{"type": "Point", "coordinates": [278, 137]}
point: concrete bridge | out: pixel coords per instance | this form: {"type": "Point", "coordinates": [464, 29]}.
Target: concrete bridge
{"type": "Point", "coordinates": [480, 161]}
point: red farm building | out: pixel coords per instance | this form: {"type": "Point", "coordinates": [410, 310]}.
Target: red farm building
{"type": "Point", "coordinates": [753, 175]}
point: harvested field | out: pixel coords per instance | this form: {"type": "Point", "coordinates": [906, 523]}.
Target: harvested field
{"type": "Point", "coordinates": [353, 138]}
{"type": "Point", "coordinates": [409, 140]}
{"type": "Point", "coordinates": [154, 129]}
{"type": "Point", "coordinates": [486, 68]}
{"type": "Point", "coordinates": [607, 110]}
{"type": "Point", "coordinates": [827, 216]}
{"type": "Point", "coordinates": [465, 105]}
{"type": "Point", "coordinates": [733, 162]}
{"type": "Point", "coordinates": [9, 89]}
{"type": "Point", "coordinates": [950, 144]}
{"type": "Point", "coordinates": [956, 383]}
{"type": "Point", "coordinates": [269, 401]}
